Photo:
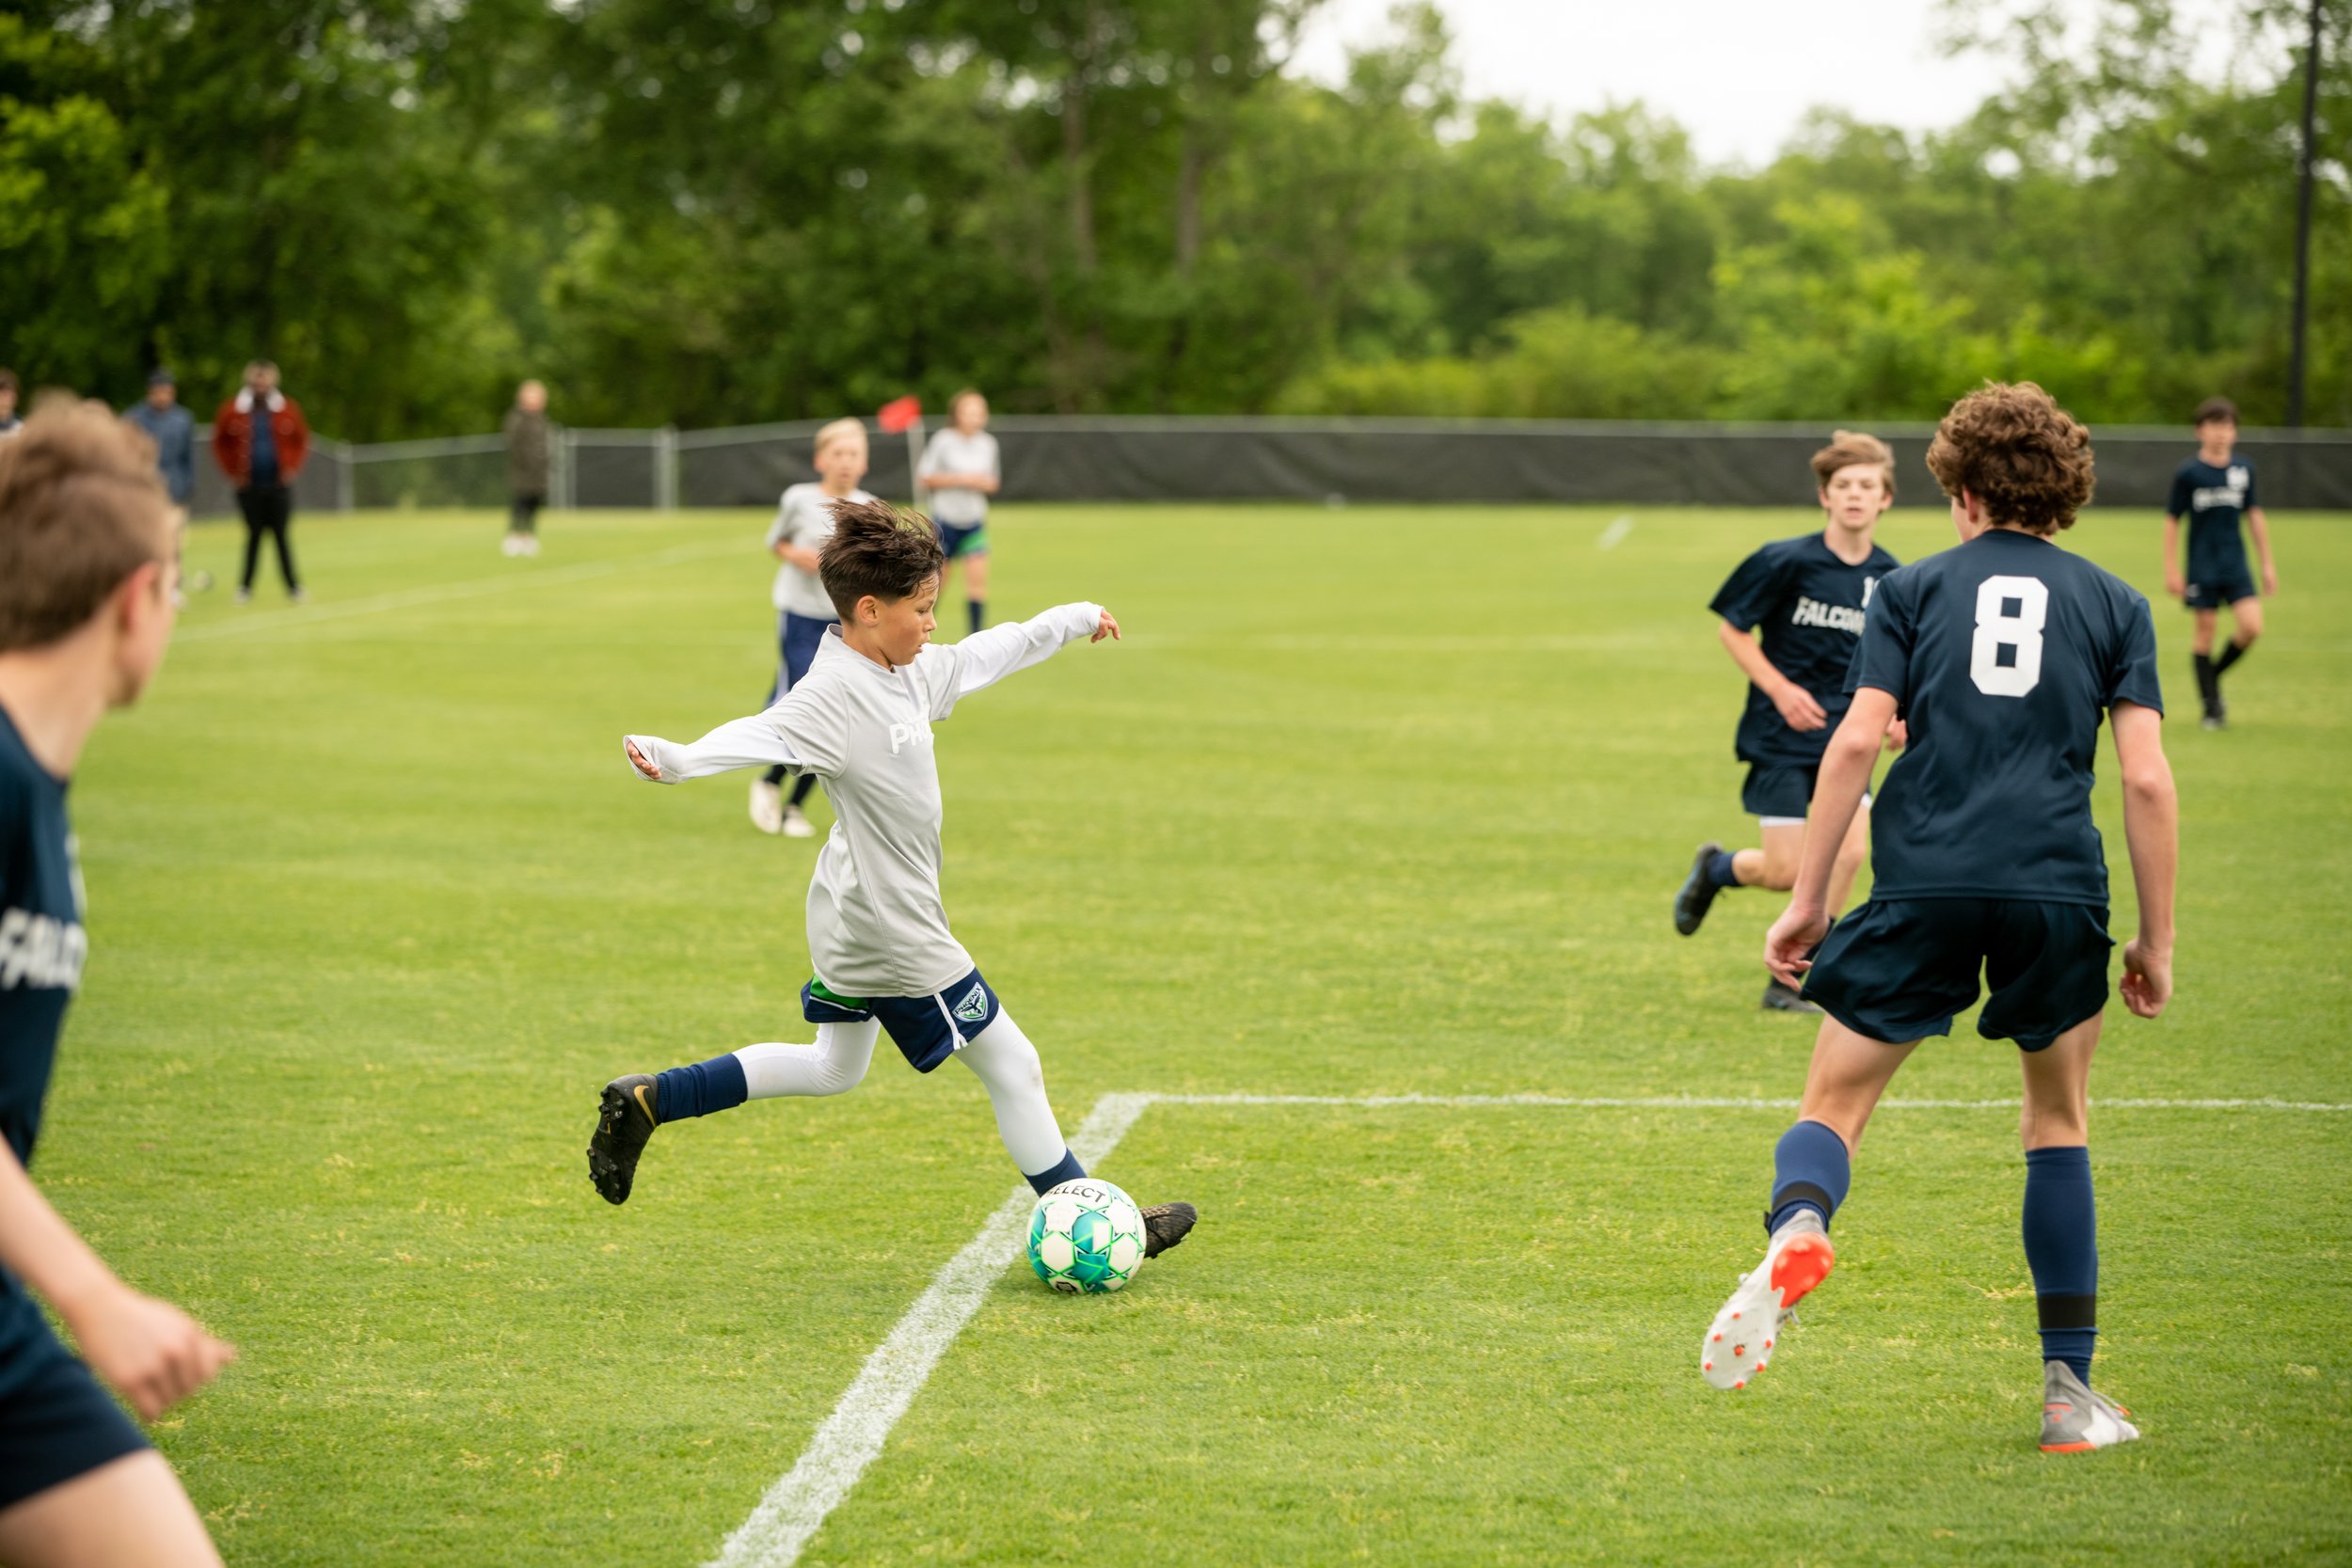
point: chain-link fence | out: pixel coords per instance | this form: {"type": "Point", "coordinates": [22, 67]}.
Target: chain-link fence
{"type": "Point", "coordinates": [1198, 459]}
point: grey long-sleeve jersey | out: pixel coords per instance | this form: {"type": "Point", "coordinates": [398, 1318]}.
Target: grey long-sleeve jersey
{"type": "Point", "coordinates": [877, 926]}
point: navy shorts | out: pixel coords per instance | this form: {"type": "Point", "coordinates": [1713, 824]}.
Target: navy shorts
{"type": "Point", "coordinates": [55, 1422]}
{"type": "Point", "coordinates": [1778, 791]}
{"type": "Point", "coordinates": [1898, 971]}
{"type": "Point", "coordinates": [927, 1029]}
{"type": "Point", "coordinates": [2212, 590]}
{"type": "Point", "coordinates": [798, 638]}
{"type": "Point", "coordinates": [958, 542]}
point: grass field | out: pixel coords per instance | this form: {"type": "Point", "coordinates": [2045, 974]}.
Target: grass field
{"type": "Point", "coordinates": [1372, 803]}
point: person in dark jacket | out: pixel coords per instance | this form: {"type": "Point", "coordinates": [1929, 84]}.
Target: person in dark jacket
{"type": "Point", "coordinates": [172, 428]}
{"type": "Point", "coordinates": [526, 445]}
{"type": "Point", "coordinates": [261, 440]}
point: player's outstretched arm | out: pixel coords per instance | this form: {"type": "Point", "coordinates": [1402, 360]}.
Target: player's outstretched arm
{"type": "Point", "coordinates": [155, 1353]}
{"type": "Point", "coordinates": [986, 657]}
{"type": "Point", "coordinates": [2152, 824]}
{"type": "Point", "coordinates": [752, 742]}
{"type": "Point", "coordinates": [1836, 796]}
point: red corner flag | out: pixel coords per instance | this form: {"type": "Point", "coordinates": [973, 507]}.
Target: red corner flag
{"type": "Point", "coordinates": [898, 415]}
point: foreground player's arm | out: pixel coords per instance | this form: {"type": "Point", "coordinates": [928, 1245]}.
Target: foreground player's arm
{"type": "Point", "coordinates": [155, 1353]}
{"type": "Point", "coordinates": [752, 742]}
{"type": "Point", "coordinates": [1836, 796]}
{"type": "Point", "coordinates": [986, 657]}
{"type": "Point", "coordinates": [1797, 706]}
{"type": "Point", "coordinates": [2152, 821]}
{"type": "Point", "coordinates": [2259, 525]}
{"type": "Point", "coordinates": [2175, 580]}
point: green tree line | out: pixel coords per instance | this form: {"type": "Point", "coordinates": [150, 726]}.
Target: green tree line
{"type": "Point", "coordinates": [710, 212]}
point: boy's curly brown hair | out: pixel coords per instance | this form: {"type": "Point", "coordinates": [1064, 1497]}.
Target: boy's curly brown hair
{"type": "Point", "coordinates": [2012, 447]}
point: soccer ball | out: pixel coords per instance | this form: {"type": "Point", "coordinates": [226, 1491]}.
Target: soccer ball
{"type": "Point", "coordinates": [1085, 1236]}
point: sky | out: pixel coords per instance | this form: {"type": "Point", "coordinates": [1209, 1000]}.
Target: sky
{"type": "Point", "coordinates": [1737, 74]}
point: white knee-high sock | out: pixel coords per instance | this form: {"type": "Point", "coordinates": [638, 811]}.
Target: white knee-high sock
{"type": "Point", "coordinates": [1007, 1064]}
{"type": "Point", "coordinates": [833, 1066]}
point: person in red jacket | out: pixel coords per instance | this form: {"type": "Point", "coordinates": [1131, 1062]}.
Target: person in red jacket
{"type": "Point", "coordinates": [261, 439]}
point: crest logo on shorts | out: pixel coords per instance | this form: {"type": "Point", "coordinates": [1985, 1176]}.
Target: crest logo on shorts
{"type": "Point", "coordinates": [973, 1007]}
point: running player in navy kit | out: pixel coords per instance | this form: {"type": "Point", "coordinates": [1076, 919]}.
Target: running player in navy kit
{"type": "Point", "coordinates": [2004, 655]}
{"type": "Point", "coordinates": [88, 558]}
{"type": "Point", "coordinates": [2213, 490]}
{"type": "Point", "coordinates": [1807, 593]}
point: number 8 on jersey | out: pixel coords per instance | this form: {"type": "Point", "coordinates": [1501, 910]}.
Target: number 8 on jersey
{"type": "Point", "coordinates": [2010, 614]}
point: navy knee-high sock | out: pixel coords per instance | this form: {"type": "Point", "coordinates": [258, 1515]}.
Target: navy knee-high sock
{"type": "Point", "coordinates": [2062, 1249]}
{"type": "Point", "coordinates": [2228, 656]}
{"type": "Point", "coordinates": [980, 613]}
{"type": "Point", "coordinates": [1810, 1170]}
{"type": "Point", "coordinates": [717, 1084]}
{"type": "Point", "coordinates": [1721, 869]}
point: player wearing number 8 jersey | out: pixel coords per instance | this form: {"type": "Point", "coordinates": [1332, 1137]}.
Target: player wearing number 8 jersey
{"type": "Point", "coordinates": [2004, 656]}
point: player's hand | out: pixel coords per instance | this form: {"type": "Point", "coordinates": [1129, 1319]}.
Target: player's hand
{"type": "Point", "coordinates": [2147, 982]}
{"type": "Point", "coordinates": [637, 759]}
{"type": "Point", "coordinates": [2175, 585]}
{"type": "Point", "coordinates": [152, 1352]}
{"type": "Point", "coordinates": [1796, 933]}
{"type": "Point", "coordinates": [1108, 628]}
{"type": "Point", "coordinates": [1798, 708]}
{"type": "Point", "coordinates": [2270, 581]}
{"type": "Point", "coordinates": [1898, 735]}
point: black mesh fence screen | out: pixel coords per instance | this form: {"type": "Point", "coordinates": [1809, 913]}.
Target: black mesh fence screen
{"type": "Point", "coordinates": [1142, 460]}
{"type": "Point", "coordinates": [1121, 459]}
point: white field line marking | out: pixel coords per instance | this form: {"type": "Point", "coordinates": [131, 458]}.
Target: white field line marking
{"type": "Point", "coordinates": [850, 1438]}
{"type": "Point", "coordinates": [1693, 1103]}
{"type": "Point", "coordinates": [1614, 534]}
{"type": "Point", "coordinates": [444, 593]}
{"type": "Point", "coordinates": [854, 1432]}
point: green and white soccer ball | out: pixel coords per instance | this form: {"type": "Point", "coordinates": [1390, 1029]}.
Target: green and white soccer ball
{"type": "Point", "coordinates": [1085, 1236]}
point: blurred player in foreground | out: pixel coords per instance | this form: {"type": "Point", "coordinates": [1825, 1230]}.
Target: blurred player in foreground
{"type": "Point", "coordinates": [960, 469]}
{"type": "Point", "coordinates": [2004, 655]}
{"type": "Point", "coordinates": [804, 523]}
{"type": "Point", "coordinates": [878, 935]}
{"type": "Point", "coordinates": [1808, 594]}
{"type": "Point", "coordinates": [87, 554]}
{"type": "Point", "coordinates": [2213, 490]}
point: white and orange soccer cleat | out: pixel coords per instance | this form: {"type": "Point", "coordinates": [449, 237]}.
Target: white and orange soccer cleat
{"type": "Point", "coordinates": [1739, 1344]}
{"type": "Point", "coordinates": [2075, 1419]}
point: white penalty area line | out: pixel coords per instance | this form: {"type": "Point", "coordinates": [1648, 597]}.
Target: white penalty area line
{"type": "Point", "coordinates": [1614, 534]}
{"type": "Point", "coordinates": [446, 593]}
{"type": "Point", "coordinates": [851, 1438]}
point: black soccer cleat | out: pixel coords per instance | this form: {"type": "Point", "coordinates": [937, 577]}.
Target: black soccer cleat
{"type": "Point", "coordinates": [1782, 999]}
{"type": "Point", "coordinates": [1167, 1224]}
{"type": "Point", "coordinates": [1698, 891]}
{"type": "Point", "coordinates": [625, 1121]}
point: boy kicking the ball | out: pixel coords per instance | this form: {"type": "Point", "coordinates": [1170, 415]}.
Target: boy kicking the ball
{"type": "Point", "coordinates": [878, 939]}
{"type": "Point", "coordinates": [2005, 656]}
{"type": "Point", "coordinates": [1808, 595]}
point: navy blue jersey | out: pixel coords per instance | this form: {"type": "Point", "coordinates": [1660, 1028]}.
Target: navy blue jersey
{"type": "Point", "coordinates": [2213, 497]}
{"type": "Point", "coordinates": [2004, 655]}
{"type": "Point", "coordinates": [41, 946]}
{"type": "Point", "coordinates": [1810, 605]}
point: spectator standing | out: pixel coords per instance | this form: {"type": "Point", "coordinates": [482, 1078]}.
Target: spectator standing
{"type": "Point", "coordinates": [527, 445]}
{"type": "Point", "coordinates": [261, 439]}
{"type": "Point", "coordinates": [172, 428]}
{"type": "Point", "coordinates": [9, 423]}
